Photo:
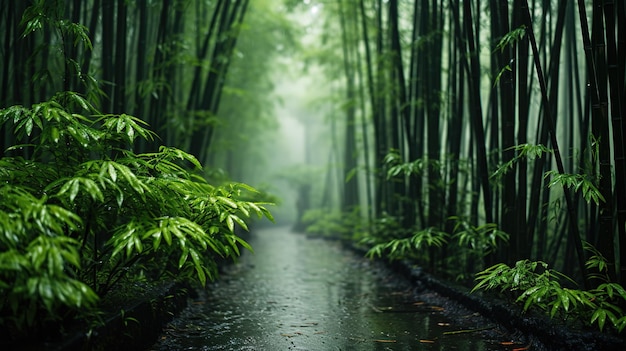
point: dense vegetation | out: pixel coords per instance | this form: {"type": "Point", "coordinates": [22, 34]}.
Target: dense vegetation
{"type": "Point", "coordinates": [83, 213]}
{"type": "Point", "coordinates": [94, 204]}
{"type": "Point", "coordinates": [184, 67]}
{"type": "Point", "coordinates": [482, 140]}
{"type": "Point", "coordinates": [482, 136]}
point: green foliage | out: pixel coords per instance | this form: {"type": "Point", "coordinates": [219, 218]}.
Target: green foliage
{"type": "Point", "coordinates": [383, 229]}
{"type": "Point", "coordinates": [396, 166]}
{"type": "Point", "coordinates": [598, 263]}
{"type": "Point", "coordinates": [481, 240]}
{"type": "Point", "coordinates": [538, 287]}
{"type": "Point", "coordinates": [468, 245]}
{"type": "Point", "coordinates": [80, 212]}
{"type": "Point", "coordinates": [397, 249]}
{"type": "Point", "coordinates": [511, 38]}
{"type": "Point", "coordinates": [524, 151]}
{"type": "Point", "coordinates": [505, 69]}
{"type": "Point", "coordinates": [58, 49]}
{"type": "Point", "coordinates": [579, 182]}
{"type": "Point", "coordinates": [43, 13]}
{"type": "Point", "coordinates": [333, 224]}
{"type": "Point", "coordinates": [609, 296]}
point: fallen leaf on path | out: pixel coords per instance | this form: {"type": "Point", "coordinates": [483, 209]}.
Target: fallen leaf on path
{"type": "Point", "coordinates": [381, 309]}
{"type": "Point", "coordinates": [467, 330]}
{"type": "Point", "coordinates": [304, 325]}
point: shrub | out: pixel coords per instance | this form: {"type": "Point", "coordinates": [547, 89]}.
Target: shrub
{"type": "Point", "coordinates": [80, 211]}
{"type": "Point", "coordinates": [538, 287]}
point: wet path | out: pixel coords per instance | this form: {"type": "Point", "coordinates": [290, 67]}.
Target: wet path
{"type": "Point", "coordinates": [296, 293]}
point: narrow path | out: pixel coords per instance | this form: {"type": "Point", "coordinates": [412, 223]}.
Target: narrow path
{"type": "Point", "coordinates": [297, 293]}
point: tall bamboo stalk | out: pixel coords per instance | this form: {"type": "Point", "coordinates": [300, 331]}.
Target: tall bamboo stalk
{"type": "Point", "coordinates": [573, 229]}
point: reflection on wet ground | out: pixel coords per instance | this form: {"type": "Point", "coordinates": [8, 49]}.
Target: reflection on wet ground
{"type": "Point", "coordinates": [297, 293]}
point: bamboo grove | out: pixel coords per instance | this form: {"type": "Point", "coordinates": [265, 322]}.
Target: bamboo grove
{"type": "Point", "coordinates": [166, 62]}
{"type": "Point", "coordinates": [108, 112]}
{"type": "Point", "coordinates": [464, 134]}
{"type": "Point", "coordinates": [467, 115]}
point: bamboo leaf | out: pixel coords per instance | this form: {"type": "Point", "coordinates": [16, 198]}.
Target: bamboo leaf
{"type": "Point", "coordinates": [183, 257]}
{"type": "Point", "coordinates": [511, 38]}
{"type": "Point", "coordinates": [239, 221]}
{"type": "Point", "coordinates": [112, 172]}
{"type": "Point", "coordinates": [243, 243]}
{"type": "Point", "coordinates": [506, 68]}
{"type": "Point", "coordinates": [599, 317]}
{"type": "Point", "coordinates": [230, 224]}
{"type": "Point", "coordinates": [228, 201]}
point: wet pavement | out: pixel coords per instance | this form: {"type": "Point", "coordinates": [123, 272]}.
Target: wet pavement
{"type": "Point", "coordinates": [299, 293]}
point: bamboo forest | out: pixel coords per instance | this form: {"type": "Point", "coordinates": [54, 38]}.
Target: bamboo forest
{"type": "Point", "coordinates": [172, 156]}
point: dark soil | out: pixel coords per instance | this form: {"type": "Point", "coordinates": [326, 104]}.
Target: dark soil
{"type": "Point", "coordinates": [136, 315]}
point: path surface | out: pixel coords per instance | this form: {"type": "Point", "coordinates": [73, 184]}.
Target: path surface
{"type": "Point", "coordinates": [297, 293]}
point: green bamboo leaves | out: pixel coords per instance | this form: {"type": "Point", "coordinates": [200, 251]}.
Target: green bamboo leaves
{"type": "Point", "coordinates": [398, 249]}
{"type": "Point", "coordinates": [74, 185]}
{"type": "Point", "coordinates": [524, 151]}
{"type": "Point", "coordinates": [190, 239]}
{"type": "Point", "coordinates": [510, 38]}
{"type": "Point", "coordinates": [37, 259]}
{"type": "Point", "coordinates": [41, 13]}
{"type": "Point", "coordinates": [538, 287]}
{"type": "Point", "coordinates": [481, 240]}
{"type": "Point", "coordinates": [82, 212]}
{"type": "Point", "coordinates": [125, 126]}
{"type": "Point", "coordinates": [475, 242]}
{"type": "Point", "coordinates": [579, 182]}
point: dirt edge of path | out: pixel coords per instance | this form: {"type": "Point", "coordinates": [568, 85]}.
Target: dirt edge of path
{"type": "Point", "coordinates": [137, 328]}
